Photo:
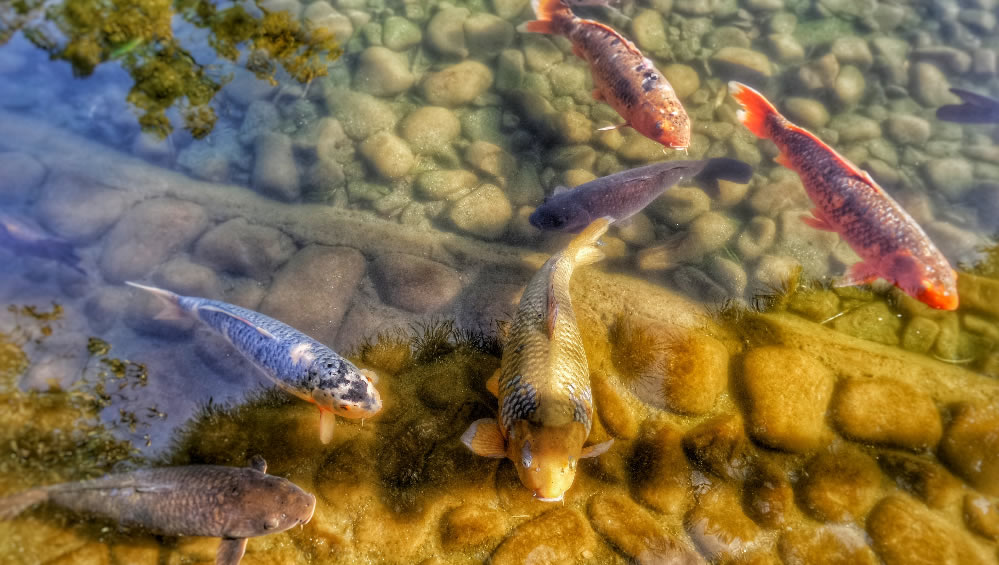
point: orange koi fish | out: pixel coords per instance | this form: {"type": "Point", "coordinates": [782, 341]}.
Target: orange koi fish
{"type": "Point", "coordinates": [848, 201]}
{"type": "Point", "coordinates": [623, 77]}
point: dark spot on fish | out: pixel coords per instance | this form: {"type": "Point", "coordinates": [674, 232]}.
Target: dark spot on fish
{"type": "Point", "coordinates": [615, 42]}
{"type": "Point", "coordinates": [329, 365]}
{"type": "Point", "coordinates": [356, 393]}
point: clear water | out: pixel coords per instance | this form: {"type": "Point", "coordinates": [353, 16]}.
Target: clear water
{"type": "Point", "coordinates": [237, 151]}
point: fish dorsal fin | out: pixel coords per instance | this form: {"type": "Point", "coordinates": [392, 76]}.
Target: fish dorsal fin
{"type": "Point", "coordinates": [551, 311]}
{"type": "Point", "coordinates": [216, 309]}
{"type": "Point", "coordinates": [854, 170]}
{"type": "Point", "coordinates": [624, 41]}
{"type": "Point", "coordinates": [484, 438]}
{"type": "Point", "coordinates": [492, 384]}
{"type": "Point", "coordinates": [597, 449]}
{"type": "Point", "coordinates": [230, 551]}
{"type": "Point", "coordinates": [258, 462]}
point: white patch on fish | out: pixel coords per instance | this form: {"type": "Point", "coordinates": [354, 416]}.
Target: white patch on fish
{"type": "Point", "coordinates": [302, 354]}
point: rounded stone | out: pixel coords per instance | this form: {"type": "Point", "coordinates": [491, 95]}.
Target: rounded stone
{"type": "Point", "coordinates": [718, 525]}
{"type": "Point", "coordinates": [839, 485]}
{"type": "Point", "coordinates": [921, 477]}
{"type": "Point", "coordinates": [487, 34]}
{"type": "Point", "coordinates": [22, 174]}
{"type": "Point", "coordinates": [768, 497]}
{"type": "Point", "coordinates": [903, 531]}
{"type": "Point", "coordinates": [636, 533]}
{"type": "Point", "coordinates": [612, 409]}
{"type": "Point", "coordinates": [695, 372]}
{"type": "Point", "coordinates": [807, 112]}
{"type": "Point", "coordinates": [648, 30]}
{"type": "Point", "coordinates": [458, 84]}
{"type": "Point", "coordinates": [758, 235]}
{"type": "Point", "coordinates": [825, 545]}
{"type": "Point", "coordinates": [636, 230]}
{"type": "Point", "coordinates": [719, 445]}
{"type": "Point", "coordinates": [981, 516]}
{"type": "Point", "coordinates": [787, 392]}
{"type": "Point", "coordinates": [275, 172]}
{"type": "Point", "coordinates": [886, 412]}
{"type": "Point", "coordinates": [706, 233]}
{"type": "Point", "coordinates": [951, 176]}
{"type": "Point", "coordinates": [399, 34]}
{"type": "Point", "coordinates": [683, 78]}
{"type": "Point", "coordinates": [733, 60]}
{"type": "Point", "coordinates": [854, 127]}
{"type": "Point", "coordinates": [471, 526]}
{"type": "Point", "coordinates": [78, 213]}
{"type": "Point", "coordinates": [413, 283]}
{"type": "Point", "coordinates": [382, 72]}
{"type": "Point", "coordinates": [388, 155]}
{"type": "Point", "coordinates": [430, 129]}
{"type": "Point", "coordinates": [907, 129]}
{"type": "Point", "coordinates": [929, 86]}
{"type": "Point", "coordinates": [849, 86]}
{"type": "Point", "coordinates": [437, 185]}
{"type": "Point", "coordinates": [540, 53]}
{"type": "Point", "coordinates": [485, 212]}
{"type": "Point", "coordinates": [446, 32]}
{"type": "Point", "coordinates": [239, 247]}
{"type": "Point", "coordinates": [491, 160]}
{"type": "Point", "coordinates": [660, 471]}
{"type": "Point", "coordinates": [573, 127]}
{"type": "Point", "coordinates": [557, 536]}
{"type": "Point", "coordinates": [970, 446]}
{"type": "Point", "coordinates": [852, 50]}
{"type": "Point", "coordinates": [320, 15]}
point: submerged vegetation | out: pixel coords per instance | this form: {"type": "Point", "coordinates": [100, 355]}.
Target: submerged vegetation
{"type": "Point", "coordinates": [167, 75]}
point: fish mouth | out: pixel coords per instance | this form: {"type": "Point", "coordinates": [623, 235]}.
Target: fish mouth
{"type": "Point", "coordinates": [553, 499]}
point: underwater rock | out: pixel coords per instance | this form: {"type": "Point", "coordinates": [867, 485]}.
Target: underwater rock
{"type": "Point", "coordinates": [456, 85]}
{"type": "Point", "coordinates": [557, 536]}
{"type": "Point", "coordinates": [771, 197]}
{"type": "Point", "coordinates": [970, 445]}
{"type": "Point", "coordinates": [492, 160]}
{"type": "Point", "coordinates": [773, 272]}
{"type": "Point", "coordinates": [414, 283]}
{"type": "Point", "coordinates": [22, 174]}
{"type": "Point", "coordinates": [472, 526]}
{"type": "Point", "coordinates": [382, 72]}
{"type": "Point", "coordinates": [568, 78]}
{"type": "Point", "coordinates": [921, 477]}
{"type": "Point", "coordinates": [484, 212]}
{"type": "Point", "coordinates": [636, 230]}
{"type": "Point", "coordinates": [430, 129]}
{"type": "Point", "coordinates": [951, 176]}
{"type": "Point", "coordinates": [919, 334]}
{"type": "Point", "coordinates": [147, 235]}
{"type": "Point", "coordinates": [981, 516]}
{"type": "Point", "coordinates": [105, 307]}
{"type": "Point", "coordinates": [695, 373]}
{"type": "Point", "coordinates": [979, 293]}
{"type": "Point", "coordinates": [399, 34]}
{"type": "Point", "coordinates": [275, 172]}
{"type": "Point", "coordinates": [261, 117]}
{"type": "Point", "coordinates": [76, 211]}
{"type": "Point", "coordinates": [904, 531]}
{"type": "Point", "coordinates": [361, 115]}
{"type": "Point", "coordinates": [806, 244]}
{"type": "Point", "coordinates": [661, 473]}
{"type": "Point", "coordinates": [758, 236]}
{"type": "Point", "coordinates": [787, 391]}
{"type": "Point", "coordinates": [681, 204]}
{"type": "Point", "coordinates": [487, 34]}
{"type": "Point", "coordinates": [540, 52]}
{"type": "Point", "coordinates": [854, 127]}
{"type": "Point", "coordinates": [573, 127]}
{"type": "Point", "coordinates": [734, 62]}
{"type": "Point", "coordinates": [729, 274]}
{"type": "Point", "coordinates": [839, 484]}
{"type": "Point", "coordinates": [190, 279]}
{"type": "Point", "coordinates": [332, 142]}
{"type": "Point", "coordinates": [648, 31]}
{"type": "Point", "coordinates": [873, 322]}
{"type": "Point", "coordinates": [706, 233]}
{"type": "Point", "coordinates": [509, 9]}
{"type": "Point", "coordinates": [438, 185]}
{"type": "Point", "coordinates": [718, 526]}
{"type": "Point", "coordinates": [636, 533]}
{"type": "Point", "coordinates": [446, 32]}
{"type": "Point", "coordinates": [808, 112]}
{"type": "Point", "coordinates": [825, 545]}
{"type": "Point", "coordinates": [929, 86]}
{"type": "Point", "coordinates": [320, 15]}
{"type": "Point", "coordinates": [886, 412]}
{"type": "Point", "coordinates": [239, 247]}
{"type": "Point", "coordinates": [614, 413]}
{"type": "Point", "coordinates": [322, 277]}
{"type": "Point", "coordinates": [907, 129]}
{"type": "Point", "coordinates": [849, 86]}
{"type": "Point", "coordinates": [720, 445]}
{"type": "Point", "coordinates": [852, 50]}
{"type": "Point", "coordinates": [696, 284]}
{"type": "Point", "coordinates": [683, 78]}
{"type": "Point", "coordinates": [510, 70]}
{"type": "Point", "coordinates": [768, 497]}
{"type": "Point", "coordinates": [388, 155]}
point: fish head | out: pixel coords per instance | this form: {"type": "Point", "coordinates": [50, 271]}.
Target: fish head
{"type": "Point", "coordinates": [938, 294]}
{"type": "Point", "coordinates": [349, 393]}
{"type": "Point", "coordinates": [670, 126]}
{"type": "Point", "coordinates": [932, 284]}
{"type": "Point", "coordinates": [546, 457]}
{"type": "Point", "coordinates": [560, 213]}
{"type": "Point", "coordinates": [267, 505]}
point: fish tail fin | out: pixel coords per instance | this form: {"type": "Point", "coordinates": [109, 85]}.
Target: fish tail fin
{"type": "Point", "coordinates": [172, 310]}
{"type": "Point", "coordinates": [547, 11]}
{"type": "Point", "coordinates": [13, 505]}
{"type": "Point", "coordinates": [755, 108]}
{"type": "Point", "coordinates": [583, 248]}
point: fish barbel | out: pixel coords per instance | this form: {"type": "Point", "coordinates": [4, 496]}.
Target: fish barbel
{"type": "Point", "coordinates": [543, 384]}
{"type": "Point", "coordinates": [294, 361]}
{"type": "Point", "coordinates": [622, 195]}
{"type": "Point", "coordinates": [848, 201]}
{"type": "Point", "coordinates": [623, 77]}
{"type": "Point", "coordinates": [232, 503]}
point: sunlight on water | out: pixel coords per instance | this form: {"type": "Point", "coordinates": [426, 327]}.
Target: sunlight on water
{"type": "Point", "coordinates": [365, 172]}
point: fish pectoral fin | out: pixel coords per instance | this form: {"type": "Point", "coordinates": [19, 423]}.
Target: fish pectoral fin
{"type": "Point", "coordinates": [551, 317]}
{"type": "Point", "coordinates": [258, 462]}
{"type": "Point", "coordinates": [537, 26]}
{"type": "Point", "coordinates": [783, 160]}
{"type": "Point", "coordinates": [492, 384]}
{"type": "Point", "coordinates": [327, 424]}
{"type": "Point", "coordinates": [484, 438]}
{"type": "Point", "coordinates": [859, 273]}
{"type": "Point", "coordinates": [816, 221]}
{"type": "Point", "coordinates": [596, 449]}
{"type": "Point", "coordinates": [230, 551]}
{"type": "Point", "coordinates": [218, 310]}
{"type": "Point", "coordinates": [614, 127]}
{"type": "Point", "coordinates": [170, 302]}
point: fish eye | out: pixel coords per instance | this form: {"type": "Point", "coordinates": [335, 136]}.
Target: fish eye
{"type": "Point", "coordinates": [525, 455]}
{"type": "Point", "coordinates": [271, 523]}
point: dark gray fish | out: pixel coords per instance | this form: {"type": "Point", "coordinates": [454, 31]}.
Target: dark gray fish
{"type": "Point", "coordinates": [976, 109]}
{"type": "Point", "coordinates": [622, 195]}
{"type": "Point", "coordinates": [294, 361]}
{"type": "Point", "coordinates": [24, 236]}
{"type": "Point", "coordinates": [232, 503]}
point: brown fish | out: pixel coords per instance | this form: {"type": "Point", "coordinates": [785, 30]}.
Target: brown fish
{"type": "Point", "coordinates": [233, 503]}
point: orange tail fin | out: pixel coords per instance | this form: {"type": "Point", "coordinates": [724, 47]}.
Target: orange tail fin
{"type": "Point", "coordinates": [546, 11]}
{"type": "Point", "coordinates": [755, 108]}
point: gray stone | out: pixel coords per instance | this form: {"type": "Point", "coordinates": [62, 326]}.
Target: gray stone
{"type": "Point", "coordinates": [261, 117]}
{"type": "Point", "coordinates": [321, 16]}
{"type": "Point", "coordinates": [681, 204]}
{"type": "Point", "coordinates": [20, 176]}
{"type": "Point", "coordinates": [430, 129]}
{"type": "Point", "coordinates": [148, 235]}
{"type": "Point", "coordinates": [182, 276]}
{"type": "Point", "coordinates": [648, 30]}
{"type": "Point", "coordinates": [806, 112]}
{"type": "Point", "coordinates": [75, 210]}
{"type": "Point", "coordinates": [849, 86]}
{"type": "Point", "coordinates": [446, 32]}
{"type": "Point", "coordinates": [708, 232]}
{"type": "Point", "coordinates": [509, 9]}
{"type": "Point", "coordinates": [241, 248]}
{"type": "Point", "coordinates": [852, 50]}
{"type": "Point", "coordinates": [382, 72]}
{"type": "Point", "coordinates": [359, 114]}
{"type": "Point", "coordinates": [491, 159]}
{"type": "Point", "coordinates": [732, 60]}
{"type": "Point", "coordinates": [438, 185]}
{"type": "Point", "coordinates": [728, 274]}
{"type": "Point", "coordinates": [907, 129]}
{"type": "Point", "coordinates": [950, 176]}
{"type": "Point", "coordinates": [105, 306]}
{"type": "Point", "coordinates": [485, 212]}
{"type": "Point", "coordinates": [786, 48]}
{"type": "Point", "coordinates": [388, 155]}
{"type": "Point", "coordinates": [399, 34]}
{"type": "Point", "coordinates": [458, 84]}
{"type": "Point", "coordinates": [819, 73]}
{"type": "Point", "coordinates": [854, 127]}
{"type": "Point", "coordinates": [312, 291]}
{"type": "Point", "coordinates": [275, 172]}
{"type": "Point", "coordinates": [930, 86]}
{"type": "Point", "coordinates": [636, 230]}
{"type": "Point", "coordinates": [540, 53]}
{"type": "Point", "coordinates": [487, 34]}
{"type": "Point", "coordinates": [413, 283]}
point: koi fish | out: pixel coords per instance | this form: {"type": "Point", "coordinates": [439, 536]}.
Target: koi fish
{"type": "Point", "coordinates": [543, 384]}
{"type": "Point", "coordinates": [24, 236]}
{"type": "Point", "coordinates": [976, 109]}
{"type": "Point", "coordinates": [623, 77]}
{"type": "Point", "coordinates": [848, 201]}
{"type": "Point", "coordinates": [231, 503]}
{"type": "Point", "coordinates": [624, 194]}
{"type": "Point", "coordinates": [294, 361]}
